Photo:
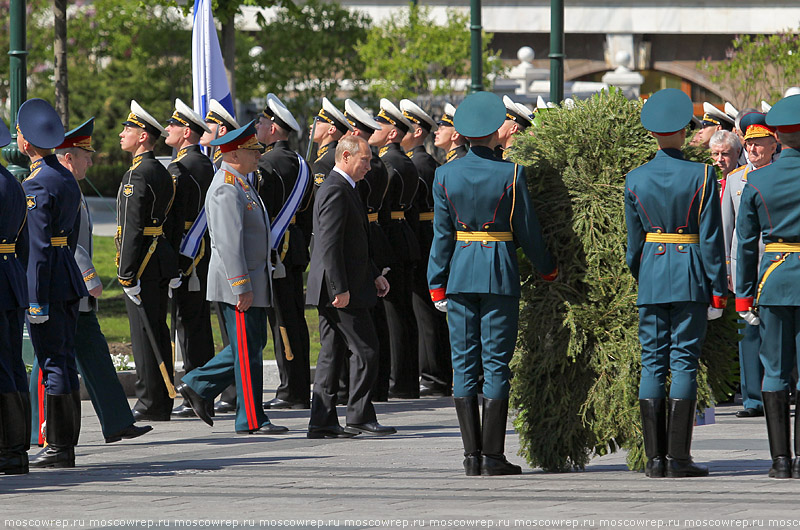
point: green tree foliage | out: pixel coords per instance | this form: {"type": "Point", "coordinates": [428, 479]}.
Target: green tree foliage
{"type": "Point", "coordinates": [411, 55]}
{"type": "Point", "coordinates": [306, 53]}
{"type": "Point", "coordinates": [758, 67]}
{"type": "Point", "coordinates": [577, 365]}
{"type": "Point", "coordinates": [118, 51]}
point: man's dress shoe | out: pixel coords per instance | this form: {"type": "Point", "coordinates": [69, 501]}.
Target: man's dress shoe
{"type": "Point", "coordinates": [332, 431]}
{"type": "Point", "coordinates": [197, 402]}
{"type": "Point", "coordinates": [131, 431]}
{"type": "Point", "coordinates": [373, 427]}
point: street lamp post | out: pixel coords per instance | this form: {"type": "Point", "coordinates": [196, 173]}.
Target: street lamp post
{"type": "Point", "coordinates": [17, 52]}
{"type": "Point", "coordinates": [556, 51]}
{"type": "Point", "coordinates": [477, 60]}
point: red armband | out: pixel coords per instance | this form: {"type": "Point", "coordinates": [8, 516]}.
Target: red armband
{"type": "Point", "coordinates": [744, 304]}
{"type": "Point", "coordinates": [438, 294]}
{"type": "Point", "coordinates": [719, 302]}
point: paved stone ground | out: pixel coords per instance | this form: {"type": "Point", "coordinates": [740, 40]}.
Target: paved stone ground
{"type": "Point", "coordinates": [185, 471]}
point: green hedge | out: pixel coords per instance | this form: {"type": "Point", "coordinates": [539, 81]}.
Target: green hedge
{"type": "Point", "coordinates": [577, 364]}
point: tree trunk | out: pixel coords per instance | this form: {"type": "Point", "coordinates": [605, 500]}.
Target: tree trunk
{"type": "Point", "coordinates": [229, 54]}
{"type": "Point", "coordinates": [60, 47]}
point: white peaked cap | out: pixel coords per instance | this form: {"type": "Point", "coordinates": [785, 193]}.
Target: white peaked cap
{"type": "Point", "coordinates": [280, 111]}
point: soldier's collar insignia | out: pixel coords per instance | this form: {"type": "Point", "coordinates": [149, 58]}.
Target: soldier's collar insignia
{"type": "Point", "coordinates": [319, 178]}
{"type": "Point", "coordinates": [451, 155]}
{"type": "Point", "coordinates": [322, 150]}
{"type": "Point", "coordinates": [217, 155]}
{"type": "Point", "coordinates": [31, 200]}
{"type": "Point", "coordinates": [383, 150]}
{"type": "Point", "coordinates": [38, 164]}
{"type": "Point", "coordinates": [136, 161]}
{"type": "Point", "coordinates": [269, 148]}
{"type": "Point", "coordinates": [182, 153]}
{"type": "Point", "coordinates": [410, 154]}
{"type": "Point", "coordinates": [230, 178]}
{"type": "Point", "coordinates": [127, 190]}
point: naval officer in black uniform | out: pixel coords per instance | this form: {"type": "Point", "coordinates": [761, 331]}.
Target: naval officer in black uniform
{"type": "Point", "coordinates": [372, 189]}
{"type": "Point", "coordinates": [55, 284]}
{"type": "Point", "coordinates": [278, 172]}
{"type": "Point", "coordinates": [146, 262]}
{"type": "Point", "coordinates": [192, 171]}
{"type": "Point", "coordinates": [399, 200]}
{"type": "Point", "coordinates": [435, 365]}
{"type": "Point", "coordinates": [15, 409]}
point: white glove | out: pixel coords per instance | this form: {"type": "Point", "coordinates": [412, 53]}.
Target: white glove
{"type": "Point", "coordinates": [133, 292]}
{"type": "Point", "coordinates": [750, 317]}
{"type": "Point", "coordinates": [441, 305]}
{"type": "Point", "coordinates": [38, 319]}
{"type": "Point", "coordinates": [714, 313]}
{"type": "Point", "coordinates": [174, 283]}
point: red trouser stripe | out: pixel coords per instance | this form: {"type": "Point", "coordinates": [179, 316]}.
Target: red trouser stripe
{"type": "Point", "coordinates": [244, 371]}
{"type": "Point", "coordinates": [40, 405]}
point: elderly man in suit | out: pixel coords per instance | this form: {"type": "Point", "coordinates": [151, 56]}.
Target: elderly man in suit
{"type": "Point", "coordinates": [239, 280]}
{"type": "Point", "coordinates": [343, 284]}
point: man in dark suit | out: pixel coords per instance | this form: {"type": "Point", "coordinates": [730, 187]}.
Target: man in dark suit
{"type": "Point", "coordinates": [343, 283]}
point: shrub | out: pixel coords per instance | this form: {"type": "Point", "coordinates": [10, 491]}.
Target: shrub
{"type": "Point", "coordinates": [577, 364]}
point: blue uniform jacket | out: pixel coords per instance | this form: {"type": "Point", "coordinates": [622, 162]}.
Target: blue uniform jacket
{"type": "Point", "coordinates": [675, 196]}
{"type": "Point", "coordinates": [53, 199]}
{"type": "Point", "coordinates": [769, 209]}
{"type": "Point", "coordinates": [13, 284]}
{"type": "Point", "coordinates": [474, 193]}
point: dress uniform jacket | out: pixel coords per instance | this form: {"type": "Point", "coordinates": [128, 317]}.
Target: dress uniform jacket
{"type": "Point", "coordinates": [55, 284]}
{"type": "Point", "coordinates": [13, 284]}
{"type": "Point", "coordinates": [192, 171]}
{"type": "Point", "coordinates": [675, 272]}
{"type": "Point", "coordinates": [768, 211]}
{"type": "Point", "coordinates": [399, 198]}
{"type": "Point", "coordinates": [479, 193]}
{"type": "Point", "coordinates": [145, 255]}
{"type": "Point", "coordinates": [731, 197]}
{"type": "Point", "coordinates": [278, 169]}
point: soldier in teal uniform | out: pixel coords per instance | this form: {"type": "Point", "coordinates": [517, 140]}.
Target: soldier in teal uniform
{"type": "Point", "coordinates": [15, 412]}
{"type": "Point", "coordinates": [481, 206]}
{"type": "Point", "coordinates": [676, 251]}
{"type": "Point", "coordinates": [769, 210]}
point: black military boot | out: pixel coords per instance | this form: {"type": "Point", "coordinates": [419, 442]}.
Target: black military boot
{"type": "Point", "coordinates": [13, 443]}
{"type": "Point", "coordinates": [26, 410]}
{"type": "Point", "coordinates": [60, 450]}
{"type": "Point", "coordinates": [796, 461]}
{"type": "Point", "coordinates": [776, 410]}
{"type": "Point", "coordinates": [76, 416]}
{"type": "Point", "coordinates": [469, 422]}
{"type": "Point", "coordinates": [654, 428]}
{"type": "Point", "coordinates": [679, 440]}
{"type": "Point", "coordinates": [493, 461]}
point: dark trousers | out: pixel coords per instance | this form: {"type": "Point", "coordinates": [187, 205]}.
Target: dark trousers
{"type": "Point", "coordinates": [151, 392]}
{"type": "Point", "coordinates": [355, 328]}
{"type": "Point", "coordinates": [751, 372]}
{"type": "Point", "coordinates": [483, 333]}
{"type": "Point", "coordinates": [240, 362]}
{"type": "Point", "coordinates": [404, 379]}
{"type": "Point", "coordinates": [99, 375]}
{"type": "Point", "coordinates": [672, 337]}
{"type": "Point", "coordinates": [380, 391]}
{"type": "Point", "coordinates": [13, 377]}
{"type": "Point", "coordinates": [193, 322]}
{"type": "Point", "coordinates": [780, 345]}
{"type": "Point", "coordinates": [435, 362]}
{"type": "Point", "coordinates": [54, 345]}
{"type": "Point", "coordinates": [295, 374]}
